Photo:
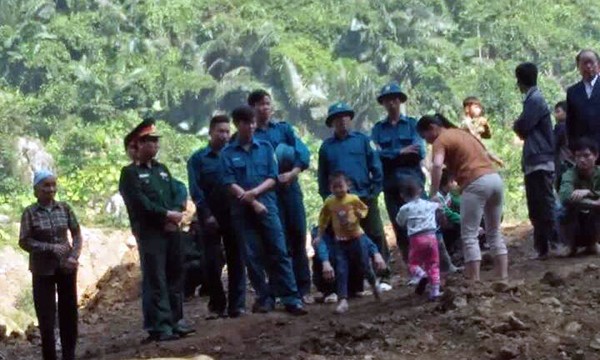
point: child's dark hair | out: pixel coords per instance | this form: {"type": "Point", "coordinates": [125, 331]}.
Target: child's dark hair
{"type": "Point", "coordinates": [256, 96]}
{"type": "Point", "coordinates": [583, 144]}
{"type": "Point", "coordinates": [243, 113]}
{"type": "Point", "coordinates": [526, 74]}
{"type": "Point", "coordinates": [561, 105]}
{"type": "Point", "coordinates": [437, 119]}
{"type": "Point", "coordinates": [472, 100]}
{"type": "Point", "coordinates": [446, 178]}
{"type": "Point", "coordinates": [218, 119]}
{"type": "Point", "coordinates": [411, 189]}
{"type": "Point", "coordinates": [338, 175]}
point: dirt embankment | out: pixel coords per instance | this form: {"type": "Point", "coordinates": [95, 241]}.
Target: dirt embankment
{"type": "Point", "coordinates": [108, 273]}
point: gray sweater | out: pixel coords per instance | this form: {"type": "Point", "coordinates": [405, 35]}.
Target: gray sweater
{"type": "Point", "coordinates": [534, 126]}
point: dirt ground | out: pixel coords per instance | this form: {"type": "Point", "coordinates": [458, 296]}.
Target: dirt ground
{"type": "Point", "coordinates": [549, 310]}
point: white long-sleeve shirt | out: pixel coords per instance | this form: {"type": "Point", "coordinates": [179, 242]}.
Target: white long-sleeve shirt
{"type": "Point", "coordinates": [418, 216]}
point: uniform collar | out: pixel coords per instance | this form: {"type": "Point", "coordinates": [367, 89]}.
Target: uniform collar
{"type": "Point", "coordinates": [153, 162]}
{"type": "Point", "coordinates": [350, 134]}
{"type": "Point", "coordinates": [209, 150]}
{"type": "Point", "coordinates": [387, 121]}
{"type": "Point", "coordinates": [236, 143]}
{"type": "Point", "coordinates": [270, 124]}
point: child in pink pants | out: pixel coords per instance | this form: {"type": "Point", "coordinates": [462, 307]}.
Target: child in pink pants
{"type": "Point", "coordinates": [418, 216]}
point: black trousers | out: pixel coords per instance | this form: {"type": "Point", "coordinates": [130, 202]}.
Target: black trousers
{"type": "Point", "coordinates": [581, 227]}
{"type": "Point", "coordinates": [373, 227]}
{"type": "Point", "coordinates": [539, 190]}
{"type": "Point", "coordinates": [214, 240]}
{"type": "Point", "coordinates": [45, 288]}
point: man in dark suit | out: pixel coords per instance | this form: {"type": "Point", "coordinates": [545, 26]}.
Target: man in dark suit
{"type": "Point", "coordinates": [583, 100]}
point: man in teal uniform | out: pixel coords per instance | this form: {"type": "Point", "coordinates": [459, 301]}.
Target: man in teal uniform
{"type": "Point", "coordinates": [289, 194]}
{"type": "Point", "coordinates": [401, 150]}
{"type": "Point", "coordinates": [250, 173]}
{"type": "Point", "coordinates": [351, 152]}
{"type": "Point", "coordinates": [213, 205]}
{"type": "Point", "coordinates": [150, 191]}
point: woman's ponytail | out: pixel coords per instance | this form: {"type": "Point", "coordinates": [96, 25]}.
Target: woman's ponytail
{"type": "Point", "coordinates": [437, 119]}
{"type": "Point", "coordinates": [443, 121]}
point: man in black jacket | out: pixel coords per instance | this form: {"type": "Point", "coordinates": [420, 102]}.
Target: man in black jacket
{"type": "Point", "coordinates": [583, 100]}
{"type": "Point", "coordinates": [534, 126]}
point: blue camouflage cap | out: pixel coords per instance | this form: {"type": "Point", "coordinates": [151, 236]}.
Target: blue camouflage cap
{"type": "Point", "coordinates": [338, 108]}
{"type": "Point", "coordinates": [391, 89]}
{"type": "Point", "coordinates": [288, 155]}
{"type": "Point", "coordinates": [285, 155]}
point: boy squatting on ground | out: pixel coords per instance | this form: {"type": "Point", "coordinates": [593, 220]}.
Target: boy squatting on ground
{"type": "Point", "coordinates": [344, 211]}
{"type": "Point", "coordinates": [580, 197]}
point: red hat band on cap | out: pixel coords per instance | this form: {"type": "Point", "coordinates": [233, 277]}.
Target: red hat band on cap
{"type": "Point", "coordinates": [147, 131]}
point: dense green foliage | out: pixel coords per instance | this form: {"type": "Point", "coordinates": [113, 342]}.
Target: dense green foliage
{"type": "Point", "coordinates": [77, 74]}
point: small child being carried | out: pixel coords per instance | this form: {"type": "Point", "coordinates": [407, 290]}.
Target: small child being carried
{"type": "Point", "coordinates": [419, 217]}
{"type": "Point", "coordinates": [344, 211]}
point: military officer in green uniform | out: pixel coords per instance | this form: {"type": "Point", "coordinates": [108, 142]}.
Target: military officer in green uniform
{"type": "Point", "coordinates": [131, 150]}
{"type": "Point", "coordinates": [151, 194]}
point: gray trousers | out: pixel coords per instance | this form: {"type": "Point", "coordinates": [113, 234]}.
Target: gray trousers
{"type": "Point", "coordinates": [482, 198]}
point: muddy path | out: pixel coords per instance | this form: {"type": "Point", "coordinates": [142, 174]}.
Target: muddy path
{"type": "Point", "coordinates": [549, 310]}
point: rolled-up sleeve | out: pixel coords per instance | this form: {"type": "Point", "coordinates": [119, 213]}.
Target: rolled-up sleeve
{"type": "Point", "coordinates": [227, 169]}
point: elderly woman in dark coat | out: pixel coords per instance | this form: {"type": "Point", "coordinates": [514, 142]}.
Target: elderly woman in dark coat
{"type": "Point", "coordinates": [53, 262]}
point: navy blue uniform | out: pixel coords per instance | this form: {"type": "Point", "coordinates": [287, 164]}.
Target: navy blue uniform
{"type": "Point", "coordinates": [290, 202]}
{"type": "Point", "coordinates": [355, 156]}
{"type": "Point", "coordinates": [262, 235]}
{"type": "Point", "coordinates": [212, 198]}
{"type": "Point", "coordinates": [390, 139]}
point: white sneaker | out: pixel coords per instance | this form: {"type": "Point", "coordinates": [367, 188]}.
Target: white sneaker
{"type": "Point", "coordinates": [416, 277]}
{"type": "Point", "coordinates": [363, 294]}
{"type": "Point", "coordinates": [383, 287]}
{"type": "Point", "coordinates": [308, 299]}
{"type": "Point", "coordinates": [413, 281]}
{"type": "Point", "coordinates": [434, 292]}
{"type": "Point", "coordinates": [342, 307]}
{"type": "Point", "coordinates": [377, 291]}
{"type": "Point", "coordinates": [331, 299]}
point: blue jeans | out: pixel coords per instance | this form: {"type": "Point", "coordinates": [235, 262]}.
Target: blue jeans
{"type": "Point", "coordinates": [351, 255]}
{"type": "Point", "coordinates": [266, 252]}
